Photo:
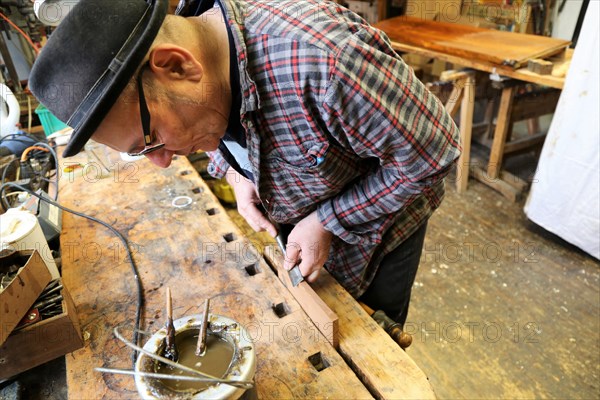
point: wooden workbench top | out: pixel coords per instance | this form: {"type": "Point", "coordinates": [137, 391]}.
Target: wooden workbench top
{"type": "Point", "coordinates": [497, 47]}
{"type": "Point", "coordinates": [504, 53]}
{"type": "Point", "coordinates": [198, 252]}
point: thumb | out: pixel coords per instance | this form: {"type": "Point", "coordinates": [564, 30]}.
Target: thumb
{"type": "Point", "coordinates": [269, 227]}
{"type": "Point", "coordinates": [292, 255]}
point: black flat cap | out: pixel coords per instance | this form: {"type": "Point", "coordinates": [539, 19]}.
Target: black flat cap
{"type": "Point", "coordinates": [90, 58]}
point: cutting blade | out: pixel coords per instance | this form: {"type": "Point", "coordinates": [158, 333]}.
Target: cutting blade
{"type": "Point", "coordinates": [295, 276]}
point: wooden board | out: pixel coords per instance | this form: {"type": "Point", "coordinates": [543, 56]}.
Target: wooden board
{"type": "Point", "coordinates": [470, 42]}
{"type": "Point", "coordinates": [320, 314]}
{"type": "Point", "coordinates": [198, 253]}
{"type": "Point", "coordinates": [556, 80]}
{"type": "Point", "coordinates": [391, 374]}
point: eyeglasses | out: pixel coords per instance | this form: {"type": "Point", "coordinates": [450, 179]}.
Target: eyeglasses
{"type": "Point", "coordinates": [145, 115]}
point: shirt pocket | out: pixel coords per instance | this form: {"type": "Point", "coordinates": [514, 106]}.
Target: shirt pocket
{"type": "Point", "coordinates": [298, 187]}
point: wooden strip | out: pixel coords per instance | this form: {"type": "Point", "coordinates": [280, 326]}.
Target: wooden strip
{"type": "Point", "coordinates": [320, 314]}
{"type": "Point", "coordinates": [452, 75]}
{"type": "Point", "coordinates": [382, 8]}
{"type": "Point", "coordinates": [533, 124]}
{"type": "Point", "coordinates": [454, 100]}
{"type": "Point", "coordinates": [507, 190]}
{"type": "Point", "coordinates": [466, 126]}
{"type": "Point", "coordinates": [501, 132]}
{"type": "Point", "coordinates": [548, 52]}
{"type": "Point", "coordinates": [559, 56]}
{"type": "Point", "coordinates": [525, 143]}
{"type": "Point", "coordinates": [383, 367]}
{"type": "Point", "coordinates": [531, 106]}
{"type": "Point", "coordinates": [560, 71]}
{"type": "Point", "coordinates": [519, 184]}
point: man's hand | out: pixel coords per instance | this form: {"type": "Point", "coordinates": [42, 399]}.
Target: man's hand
{"type": "Point", "coordinates": [247, 200]}
{"type": "Point", "coordinates": [308, 241]}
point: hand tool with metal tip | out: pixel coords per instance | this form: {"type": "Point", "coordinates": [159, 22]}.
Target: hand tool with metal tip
{"type": "Point", "coordinates": [201, 346]}
{"type": "Point", "coordinates": [170, 347]}
{"type": "Point", "coordinates": [294, 273]}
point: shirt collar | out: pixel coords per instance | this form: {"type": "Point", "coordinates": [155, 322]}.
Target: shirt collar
{"type": "Point", "coordinates": [235, 16]}
{"type": "Point", "coordinates": [235, 11]}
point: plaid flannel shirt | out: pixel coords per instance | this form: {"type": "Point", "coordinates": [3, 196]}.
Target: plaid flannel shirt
{"type": "Point", "coordinates": [336, 122]}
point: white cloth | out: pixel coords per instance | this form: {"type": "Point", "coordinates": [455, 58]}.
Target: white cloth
{"type": "Point", "coordinates": [564, 197]}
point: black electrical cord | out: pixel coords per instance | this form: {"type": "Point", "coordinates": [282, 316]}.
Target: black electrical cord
{"type": "Point", "coordinates": [53, 152]}
{"type": "Point", "coordinates": [42, 144]}
{"type": "Point", "coordinates": [4, 173]}
{"type": "Point", "coordinates": [578, 26]}
{"type": "Point", "coordinates": [562, 6]}
{"type": "Point", "coordinates": [136, 275]}
{"type": "Point", "coordinates": [18, 137]}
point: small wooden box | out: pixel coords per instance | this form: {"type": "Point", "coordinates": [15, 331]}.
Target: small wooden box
{"type": "Point", "coordinates": [41, 342]}
{"type": "Point", "coordinates": [21, 293]}
{"type": "Point", "coordinates": [539, 66]}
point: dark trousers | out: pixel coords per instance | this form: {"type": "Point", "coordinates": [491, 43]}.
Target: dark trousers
{"type": "Point", "coordinates": [391, 287]}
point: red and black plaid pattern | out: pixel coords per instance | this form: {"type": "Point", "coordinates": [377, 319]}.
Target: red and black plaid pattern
{"type": "Point", "coordinates": [336, 122]}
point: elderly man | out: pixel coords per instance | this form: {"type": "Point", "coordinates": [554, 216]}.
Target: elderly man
{"type": "Point", "coordinates": [314, 119]}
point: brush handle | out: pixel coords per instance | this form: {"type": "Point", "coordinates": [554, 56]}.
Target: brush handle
{"type": "Point", "coordinates": [169, 304]}
{"type": "Point", "coordinates": [201, 346]}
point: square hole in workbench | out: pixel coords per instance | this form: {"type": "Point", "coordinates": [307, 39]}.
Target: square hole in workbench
{"type": "Point", "coordinates": [229, 237]}
{"type": "Point", "coordinates": [212, 211]}
{"type": "Point", "coordinates": [197, 190]}
{"type": "Point", "coordinates": [318, 361]}
{"type": "Point", "coordinates": [252, 269]}
{"type": "Point", "coordinates": [281, 310]}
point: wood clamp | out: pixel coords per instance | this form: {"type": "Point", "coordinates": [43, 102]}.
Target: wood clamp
{"type": "Point", "coordinates": [393, 328]}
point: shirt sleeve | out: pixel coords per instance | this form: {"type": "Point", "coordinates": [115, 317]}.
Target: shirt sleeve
{"type": "Point", "coordinates": [377, 108]}
{"type": "Point", "coordinates": [218, 166]}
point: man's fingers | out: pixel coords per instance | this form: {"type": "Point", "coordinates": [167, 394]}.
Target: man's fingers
{"type": "Point", "coordinates": [257, 219]}
{"type": "Point", "coordinates": [292, 255]}
{"type": "Point", "coordinates": [314, 275]}
{"type": "Point", "coordinates": [309, 269]}
{"type": "Point", "coordinates": [315, 241]}
{"type": "Point", "coordinates": [271, 229]}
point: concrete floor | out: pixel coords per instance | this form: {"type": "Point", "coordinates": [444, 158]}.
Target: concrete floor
{"type": "Point", "coordinates": [500, 308]}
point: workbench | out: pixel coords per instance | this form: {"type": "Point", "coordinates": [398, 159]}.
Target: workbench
{"type": "Point", "coordinates": [501, 54]}
{"type": "Point", "coordinates": [198, 252]}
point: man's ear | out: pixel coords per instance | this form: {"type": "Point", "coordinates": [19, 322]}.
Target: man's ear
{"type": "Point", "coordinates": [171, 62]}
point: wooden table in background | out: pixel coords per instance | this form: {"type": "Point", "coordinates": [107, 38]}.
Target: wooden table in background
{"type": "Point", "coordinates": [198, 252]}
{"type": "Point", "coordinates": [500, 53]}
